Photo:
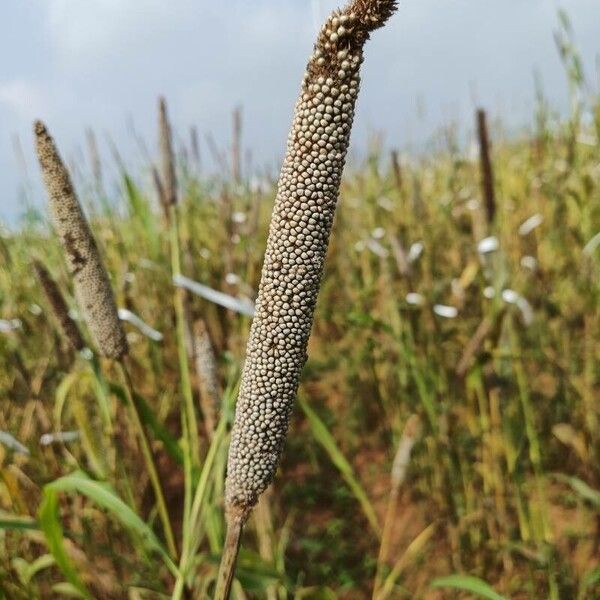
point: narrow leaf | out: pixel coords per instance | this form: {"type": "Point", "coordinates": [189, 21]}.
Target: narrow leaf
{"type": "Point", "coordinates": [18, 523]}
{"type": "Point", "coordinates": [53, 532]}
{"type": "Point", "coordinates": [581, 488]}
{"type": "Point", "coordinates": [105, 497]}
{"type": "Point", "coordinates": [468, 583]}
{"type": "Point", "coordinates": [328, 443]}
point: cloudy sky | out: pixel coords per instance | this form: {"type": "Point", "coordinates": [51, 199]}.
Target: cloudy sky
{"type": "Point", "coordinates": [102, 64]}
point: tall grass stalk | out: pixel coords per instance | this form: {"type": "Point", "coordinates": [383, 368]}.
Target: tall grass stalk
{"type": "Point", "coordinates": [188, 414]}
{"type": "Point", "coordinates": [191, 454]}
{"type": "Point", "coordinates": [148, 459]}
{"type": "Point", "coordinates": [170, 199]}
{"type": "Point", "coordinates": [191, 540]}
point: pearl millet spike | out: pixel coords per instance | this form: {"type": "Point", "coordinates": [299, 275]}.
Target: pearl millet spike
{"type": "Point", "coordinates": [92, 286]}
{"type": "Point", "coordinates": [59, 306]}
{"type": "Point", "coordinates": [296, 248]}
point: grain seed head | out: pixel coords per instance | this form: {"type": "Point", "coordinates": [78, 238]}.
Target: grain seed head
{"type": "Point", "coordinates": [208, 377]}
{"type": "Point", "coordinates": [59, 306]}
{"type": "Point", "coordinates": [92, 287]}
{"type": "Point", "coordinates": [296, 248]}
{"type": "Point", "coordinates": [167, 159]}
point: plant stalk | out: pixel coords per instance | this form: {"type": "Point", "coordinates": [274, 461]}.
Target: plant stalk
{"type": "Point", "coordinates": [149, 460]}
{"type": "Point", "coordinates": [235, 524]}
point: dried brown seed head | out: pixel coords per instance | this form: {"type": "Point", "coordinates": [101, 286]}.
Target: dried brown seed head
{"type": "Point", "coordinates": [208, 377]}
{"type": "Point", "coordinates": [59, 306]}
{"type": "Point", "coordinates": [167, 158]}
{"type": "Point", "coordinates": [92, 286]}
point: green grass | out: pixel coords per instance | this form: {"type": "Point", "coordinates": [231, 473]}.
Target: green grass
{"type": "Point", "coordinates": [501, 493]}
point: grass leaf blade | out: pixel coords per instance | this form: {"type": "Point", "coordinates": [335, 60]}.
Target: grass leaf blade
{"type": "Point", "coordinates": [102, 495]}
{"type": "Point", "coordinates": [322, 435]}
{"type": "Point", "coordinates": [468, 583]}
{"type": "Point", "coordinates": [53, 532]}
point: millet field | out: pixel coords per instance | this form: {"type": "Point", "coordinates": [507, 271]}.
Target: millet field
{"type": "Point", "coordinates": [444, 441]}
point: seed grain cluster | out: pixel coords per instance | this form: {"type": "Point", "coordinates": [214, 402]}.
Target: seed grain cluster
{"type": "Point", "coordinates": [296, 248]}
{"type": "Point", "coordinates": [169, 178]}
{"type": "Point", "coordinates": [92, 287]}
{"type": "Point", "coordinates": [59, 306]}
{"type": "Point", "coordinates": [208, 379]}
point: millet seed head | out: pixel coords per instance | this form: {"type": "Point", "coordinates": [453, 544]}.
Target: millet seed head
{"type": "Point", "coordinates": [296, 248]}
{"type": "Point", "coordinates": [92, 286]}
{"type": "Point", "coordinates": [167, 159]}
{"type": "Point", "coordinates": [208, 377]}
{"type": "Point", "coordinates": [59, 306]}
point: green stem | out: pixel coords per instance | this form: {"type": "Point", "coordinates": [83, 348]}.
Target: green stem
{"type": "Point", "coordinates": [188, 415]}
{"type": "Point", "coordinates": [102, 395]}
{"type": "Point", "coordinates": [149, 460]}
{"type": "Point", "coordinates": [186, 384]}
{"type": "Point", "coordinates": [190, 543]}
{"type": "Point", "coordinates": [535, 454]}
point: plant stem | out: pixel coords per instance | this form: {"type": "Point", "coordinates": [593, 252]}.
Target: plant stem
{"type": "Point", "coordinates": [102, 396]}
{"type": "Point", "coordinates": [190, 541]}
{"type": "Point", "coordinates": [189, 409]}
{"type": "Point", "coordinates": [149, 460]}
{"type": "Point", "coordinates": [235, 524]}
{"type": "Point", "coordinates": [188, 414]}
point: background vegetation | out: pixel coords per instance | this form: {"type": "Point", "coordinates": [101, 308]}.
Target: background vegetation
{"type": "Point", "coordinates": [480, 357]}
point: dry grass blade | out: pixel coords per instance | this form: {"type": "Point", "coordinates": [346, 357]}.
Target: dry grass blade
{"type": "Point", "coordinates": [473, 346]}
{"type": "Point", "coordinates": [415, 548]}
{"type": "Point", "coordinates": [92, 286]}
{"type": "Point", "coordinates": [410, 436]}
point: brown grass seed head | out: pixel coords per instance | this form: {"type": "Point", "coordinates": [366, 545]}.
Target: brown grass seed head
{"type": "Point", "coordinates": [92, 286]}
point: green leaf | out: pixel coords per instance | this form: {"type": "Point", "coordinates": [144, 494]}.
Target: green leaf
{"type": "Point", "coordinates": [103, 495]}
{"type": "Point", "coordinates": [581, 488]}
{"type": "Point", "coordinates": [53, 532]}
{"type": "Point", "coordinates": [467, 583]}
{"type": "Point", "coordinates": [590, 580]}
{"type": "Point", "coordinates": [62, 391]}
{"type": "Point", "coordinates": [18, 522]}
{"type": "Point", "coordinates": [322, 435]}
{"type": "Point", "coordinates": [27, 571]}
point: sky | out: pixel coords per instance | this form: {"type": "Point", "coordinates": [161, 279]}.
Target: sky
{"type": "Point", "coordinates": [102, 64]}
